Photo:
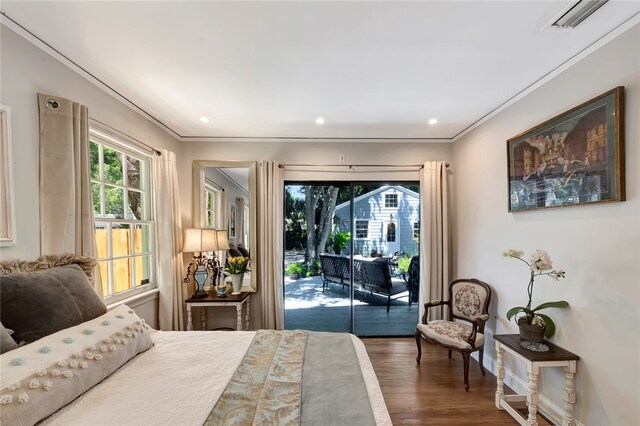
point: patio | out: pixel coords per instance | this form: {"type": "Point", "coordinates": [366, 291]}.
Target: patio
{"type": "Point", "coordinates": [307, 307]}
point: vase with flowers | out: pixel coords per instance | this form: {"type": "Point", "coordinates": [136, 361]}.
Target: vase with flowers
{"type": "Point", "coordinates": [236, 267]}
{"type": "Point", "coordinates": [533, 325]}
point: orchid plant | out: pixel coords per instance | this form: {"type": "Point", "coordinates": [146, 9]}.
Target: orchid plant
{"type": "Point", "coordinates": [539, 265]}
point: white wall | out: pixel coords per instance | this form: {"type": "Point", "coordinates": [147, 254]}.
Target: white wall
{"type": "Point", "coordinates": [296, 152]}
{"type": "Point", "coordinates": [598, 246]}
{"type": "Point", "coordinates": [26, 71]}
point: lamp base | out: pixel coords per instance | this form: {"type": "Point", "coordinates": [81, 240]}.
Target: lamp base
{"type": "Point", "coordinates": [200, 293]}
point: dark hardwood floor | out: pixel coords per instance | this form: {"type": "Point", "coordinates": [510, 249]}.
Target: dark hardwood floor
{"type": "Point", "coordinates": [432, 393]}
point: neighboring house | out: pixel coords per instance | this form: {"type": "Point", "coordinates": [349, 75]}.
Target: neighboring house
{"type": "Point", "coordinates": [386, 220]}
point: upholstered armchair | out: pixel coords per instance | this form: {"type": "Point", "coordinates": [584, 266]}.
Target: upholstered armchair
{"type": "Point", "coordinates": [463, 331]}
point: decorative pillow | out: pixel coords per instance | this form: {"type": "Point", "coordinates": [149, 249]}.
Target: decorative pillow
{"type": "Point", "coordinates": [6, 341]}
{"type": "Point", "coordinates": [40, 378]}
{"type": "Point", "coordinates": [36, 304]}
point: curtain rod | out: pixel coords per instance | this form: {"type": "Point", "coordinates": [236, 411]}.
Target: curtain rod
{"type": "Point", "coordinates": [155, 151]}
{"type": "Point", "coordinates": [351, 166]}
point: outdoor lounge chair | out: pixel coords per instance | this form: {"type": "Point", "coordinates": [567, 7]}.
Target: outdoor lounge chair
{"type": "Point", "coordinates": [335, 269]}
{"type": "Point", "coordinates": [374, 276]}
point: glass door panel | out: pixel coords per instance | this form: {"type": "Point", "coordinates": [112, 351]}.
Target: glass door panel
{"type": "Point", "coordinates": [348, 248]}
{"type": "Point", "coordinates": [316, 241]}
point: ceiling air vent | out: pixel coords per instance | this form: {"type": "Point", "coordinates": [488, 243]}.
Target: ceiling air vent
{"type": "Point", "coordinates": [577, 13]}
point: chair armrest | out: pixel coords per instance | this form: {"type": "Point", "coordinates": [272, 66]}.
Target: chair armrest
{"type": "Point", "coordinates": [431, 305]}
{"type": "Point", "coordinates": [477, 322]}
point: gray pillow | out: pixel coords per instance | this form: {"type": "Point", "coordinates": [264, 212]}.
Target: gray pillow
{"type": "Point", "coordinates": [36, 304]}
{"type": "Point", "coordinates": [6, 341]}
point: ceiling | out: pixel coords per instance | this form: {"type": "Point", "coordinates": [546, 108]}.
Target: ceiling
{"type": "Point", "coordinates": [269, 69]}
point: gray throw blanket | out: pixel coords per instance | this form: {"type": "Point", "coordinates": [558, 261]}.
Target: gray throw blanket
{"type": "Point", "coordinates": [296, 378]}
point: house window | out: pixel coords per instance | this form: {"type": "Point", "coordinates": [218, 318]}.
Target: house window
{"type": "Point", "coordinates": [362, 229]}
{"type": "Point", "coordinates": [416, 230]}
{"type": "Point", "coordinates": [124, 227]}
{"type": "Point", "coordinates": [391, 200]}
{"type": "Point", "coordinates": [211, 206]}
{"type": "Point", "coordinates": [391, 232]}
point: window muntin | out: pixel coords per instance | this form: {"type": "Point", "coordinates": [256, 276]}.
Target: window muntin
{"type": "Point", "coordinates": [124, 227]}
{"type": "Point", "coordinates": [391, 200]}
{"type": "Point", "coordinates": [362, 229]}
{"type": "Point", "coordinates": [416, 230]}
{"type": "Point", "coordinates": [391, 232]}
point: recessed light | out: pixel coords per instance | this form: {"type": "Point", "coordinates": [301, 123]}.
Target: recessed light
{"type": "Point", "coordinates": [319, 120]}
{"type": "Point", "coordinates": [433, 121]}
{"type": "Point", "coordinates": [204, 119]}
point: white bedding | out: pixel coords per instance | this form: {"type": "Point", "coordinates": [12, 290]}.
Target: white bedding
{"type": "Point", "coordinates": [179, 380]}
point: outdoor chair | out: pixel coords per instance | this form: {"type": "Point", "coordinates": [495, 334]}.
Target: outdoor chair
{"type": "Point", "coordinates": [335, 269]}
{"type": "Point", "coordinates": [413, 279]}
{"type": "Point", "coordinates": [468, 303]}
{"type": "Point", "coordinates": [374, 276]}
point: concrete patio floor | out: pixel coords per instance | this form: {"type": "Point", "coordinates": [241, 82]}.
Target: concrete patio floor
{"type": "Point", "coordinates": [307, 307]}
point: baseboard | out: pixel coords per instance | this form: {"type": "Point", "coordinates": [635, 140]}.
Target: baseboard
{"type": "Point", "coordinates": [551, 410]}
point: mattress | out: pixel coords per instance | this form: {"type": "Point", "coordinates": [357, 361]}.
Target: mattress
{"type": "Point", "coordinates": [179, 381]}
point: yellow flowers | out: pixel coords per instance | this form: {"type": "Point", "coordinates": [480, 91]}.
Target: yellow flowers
{"type": "Point", "coordinates": [236, 265]}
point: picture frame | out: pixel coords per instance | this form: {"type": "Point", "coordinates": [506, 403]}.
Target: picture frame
{"type": "Point", "coordinates": [232, 221]}
{"type": "Point", "coordinates": [575, 158]}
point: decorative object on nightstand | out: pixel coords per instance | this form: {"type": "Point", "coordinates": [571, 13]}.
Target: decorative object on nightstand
{"type": "Point", "coordinates": [199, 241]}
{"type": "Point", "coordinates": [533, 325]}
{"type": "Point", "coordinates": [236, 267]}
{"type": "Point", "coordinates": [223, 244]}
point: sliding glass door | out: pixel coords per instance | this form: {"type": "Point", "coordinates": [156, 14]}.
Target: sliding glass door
{"type": "Point", "coordinates": [348, 251]}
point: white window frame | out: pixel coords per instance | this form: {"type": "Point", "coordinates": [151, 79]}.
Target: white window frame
{"type": "Point", "coordinates": [129, 148]}
{"type": "Point", "coordinates": [216, 194]}
{"type": "Point", "coordinates": [355, 227]}
{"type": "Point", "coordinates": [389, 197]}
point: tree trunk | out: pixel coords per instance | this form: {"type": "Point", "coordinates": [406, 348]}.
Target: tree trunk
{"type": "Point", "coordinates": [310, 204]}
{"type": "Point", "coordinates": [329, 196]}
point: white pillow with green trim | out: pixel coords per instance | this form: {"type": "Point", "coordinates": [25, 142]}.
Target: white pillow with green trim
{"type": "Point", "coordinates": [40, 378]}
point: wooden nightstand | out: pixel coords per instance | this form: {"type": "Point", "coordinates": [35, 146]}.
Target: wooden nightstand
{"type": "Point", "coordinates": [214, 301]}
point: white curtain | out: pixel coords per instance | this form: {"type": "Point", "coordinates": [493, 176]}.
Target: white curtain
{"type": "Point", "coordinates": [435, 238]}
{"type": "Point", "coordinates": [270, 255]}
{"type": "Point", "coordinates": [168, 242]}
{"type": "Point", "coordinates": [66, 208]}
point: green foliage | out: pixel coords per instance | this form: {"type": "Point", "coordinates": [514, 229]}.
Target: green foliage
{"type": "Point", "coordinates": [403, 264]}
{"type": "Point", "coordinates": [297, 270]}
{"type": "Point", "coordinates": [338, 240]}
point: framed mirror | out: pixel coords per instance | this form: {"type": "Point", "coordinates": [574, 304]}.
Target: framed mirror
{"type": "Point", "coordinates": [224, 197]}
{"type": "Point", "coordinates": [7, 212]}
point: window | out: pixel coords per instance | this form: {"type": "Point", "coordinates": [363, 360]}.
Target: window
{"type": "Point", "coordinates": [362, 229]}
{"type": "Point", "coordinates": [416, 230]}
{"type": "Point", "coordinates": [391, 200]}
{"type": "Point", "coordinates": [121, 192]}
{"type": "Point", "coordinates": [211, 206]}
{"type": "Point", "coordinates": [391, 232]}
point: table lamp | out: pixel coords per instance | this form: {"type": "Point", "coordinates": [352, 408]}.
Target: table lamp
{"type": "Point", "coordinates": [198, 241]}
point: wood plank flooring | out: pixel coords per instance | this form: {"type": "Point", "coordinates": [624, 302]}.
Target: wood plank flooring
{"type": "Point", "coordinates": [432, 393]}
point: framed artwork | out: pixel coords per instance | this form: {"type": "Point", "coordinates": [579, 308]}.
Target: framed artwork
{"type": "Point", "coordinates": [232, 221]}
{"type": "Point", "coordinates": [575, 158]}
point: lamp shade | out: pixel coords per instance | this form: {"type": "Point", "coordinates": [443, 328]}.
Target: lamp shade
{"type": "Point", "coordinates": [223, 240]}
{"type": "Point", "coordinates": [200, 239]}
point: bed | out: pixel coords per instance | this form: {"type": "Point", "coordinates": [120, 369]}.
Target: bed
{"type": "Point", "coordinates": [114, 369]}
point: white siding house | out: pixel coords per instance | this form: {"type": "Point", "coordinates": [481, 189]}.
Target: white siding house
{"type": "Point", "coordinates": [386, 220]}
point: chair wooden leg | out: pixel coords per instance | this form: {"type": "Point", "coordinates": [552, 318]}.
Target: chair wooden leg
{"type": "Point", "coordinates": [419, 343]}
{"type": "Point", "coordinates": [449, 354]}
{"type": "Point", "coordinates": [465, 358]}
{"type": "Point", "coordinates": [481, 359]}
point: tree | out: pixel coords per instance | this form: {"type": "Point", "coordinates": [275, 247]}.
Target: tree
{"type": "Point", "coordinates": [321, 199]}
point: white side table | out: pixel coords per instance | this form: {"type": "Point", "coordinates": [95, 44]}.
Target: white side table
{"type": "Point", "coordinates": [239, 301]}
{"type": "Point", "coordinates": [554, 357]}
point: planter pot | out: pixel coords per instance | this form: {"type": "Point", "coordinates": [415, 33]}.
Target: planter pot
{"type": "Point", "coordinates": [236, 280]}
{"type": "Point", "coordinates": [531, 332]}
